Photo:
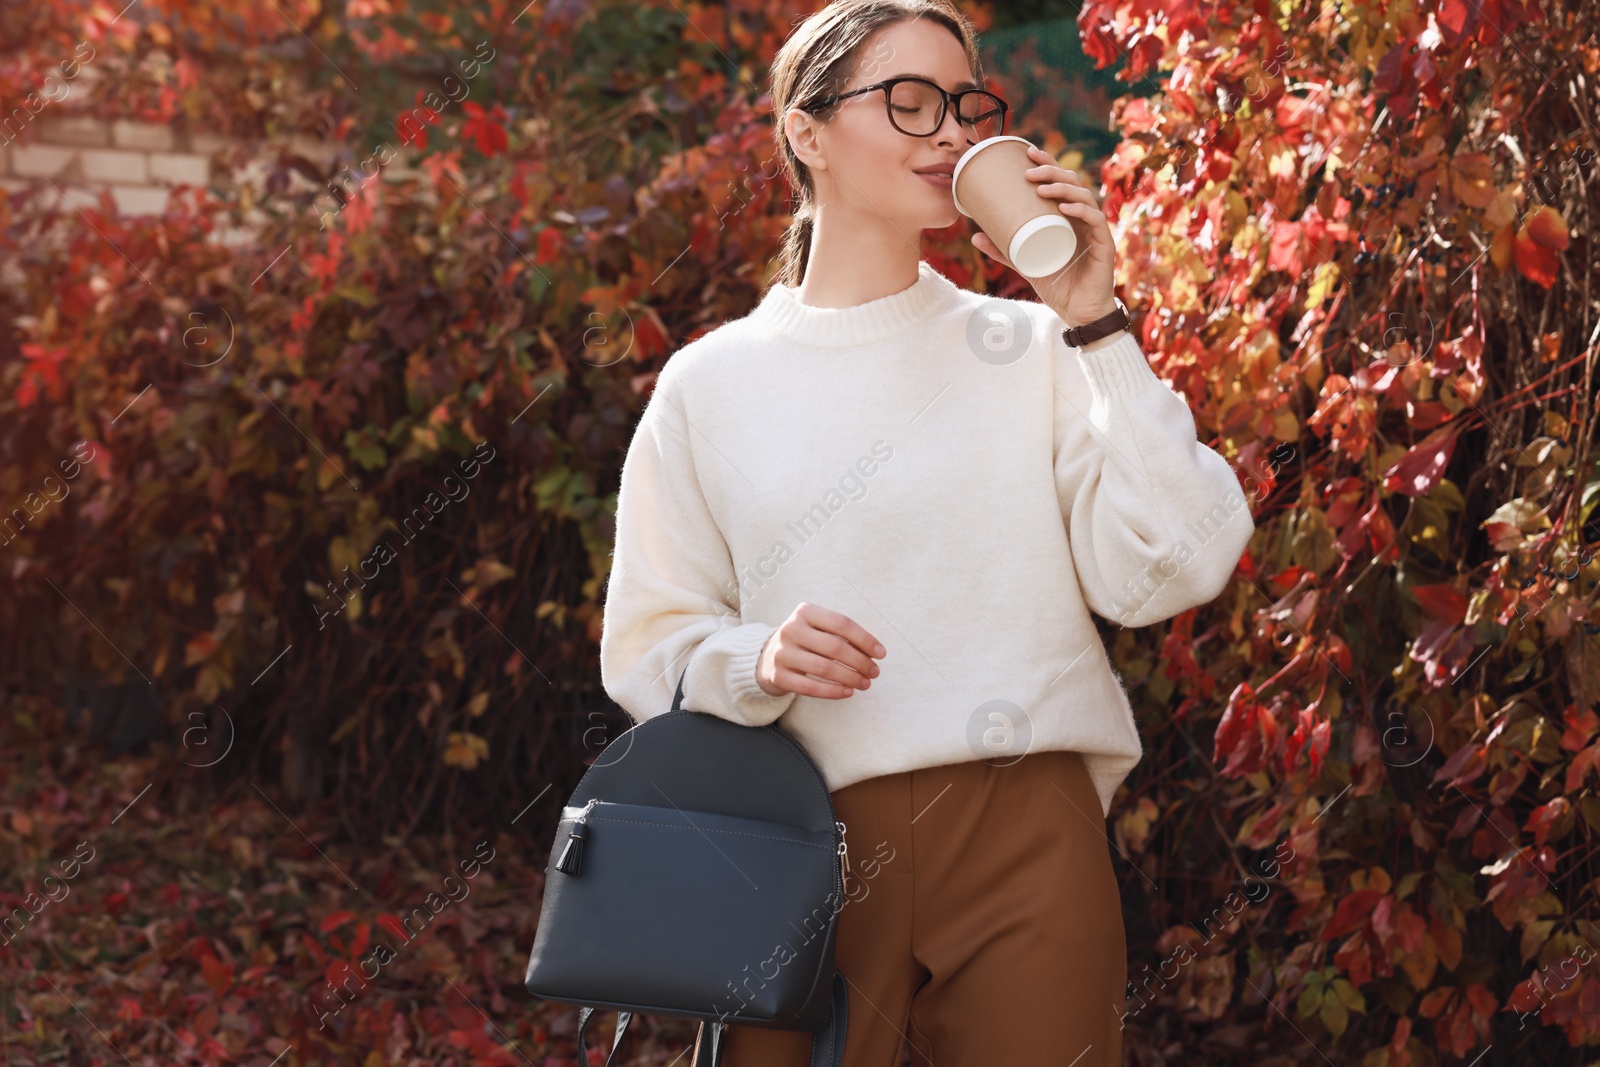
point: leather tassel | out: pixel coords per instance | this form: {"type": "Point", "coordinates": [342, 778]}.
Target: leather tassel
{"type": "Point", "coordinates": [571, 861]}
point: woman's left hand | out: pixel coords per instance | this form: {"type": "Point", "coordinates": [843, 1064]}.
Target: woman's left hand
{"type": "Point", "coordinates": [1083, 290]}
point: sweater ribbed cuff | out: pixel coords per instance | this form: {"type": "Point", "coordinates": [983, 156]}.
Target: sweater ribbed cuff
{"type": "Point", "coordinates": [1118, 369]}
{"type": "Point", "coordinates": [743, 646]}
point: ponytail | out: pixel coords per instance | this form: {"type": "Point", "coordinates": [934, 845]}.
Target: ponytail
{"type": "Point", "coordinates": [795, 250]}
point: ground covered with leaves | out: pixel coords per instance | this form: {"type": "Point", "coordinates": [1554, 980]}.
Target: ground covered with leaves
{"type": "Point", "coordinates": [145, 925]}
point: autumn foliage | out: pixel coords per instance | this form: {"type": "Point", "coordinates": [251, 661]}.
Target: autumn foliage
{"type": "Point", "coordinates": [350, 477]}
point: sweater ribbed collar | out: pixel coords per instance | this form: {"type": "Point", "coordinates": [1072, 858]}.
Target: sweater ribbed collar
{"type": "Point", "coordinates": [781, 312]}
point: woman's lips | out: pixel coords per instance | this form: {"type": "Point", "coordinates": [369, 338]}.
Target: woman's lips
{"type": "Point", "coordinates": [934, 178]}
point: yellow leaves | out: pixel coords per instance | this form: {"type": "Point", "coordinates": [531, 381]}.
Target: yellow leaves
{"type": "Point", "coordinates": [1374, 878]}
{"type": "Point", "coordinates": [1281, 158]}
{"type": "Point", "coordinates": [1071, 160]}
{"type": "Point", "coordinates": [465, 750]}
{"type": "Point", "coordinates": [327, 473]}
{"type": "Point", "coordinates": [212, 681]}
{"type": "Point", "coordinates": [342, 554]}
{"type": "Point", "coordinates": [1470, 177]}
{"type": "Point", "coordinates": [426, 438]}
{"type": "Point", "coordinates": [1372, 33]}
{"type": "Point", "coordinates": [435, 698]}
{"type": "Point", "coordinates": [1502, 209]}
{"type": "Point", "coordinates": [1534, 936]}
{"type": "Point", "coordinates": [1501, 248]}
{"type": "Point", "coordinates": [243, 851]}
{"type": "Point", "coordinates": [1324, 280]}
{"type": "Point", "coordinates": [479, 702]}
{"type": "Point", "coordinates": [1511, 521]}
{"type": "Point", "coordinates": [1133, 826]}
{"type": "Point", "coordinates": [1208, 990]}
{"type": "Point", "coordinates": [487, 573]}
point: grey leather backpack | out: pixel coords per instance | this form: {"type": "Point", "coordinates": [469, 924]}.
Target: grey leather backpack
{"type": "Point", "coordinates": [697, 872]}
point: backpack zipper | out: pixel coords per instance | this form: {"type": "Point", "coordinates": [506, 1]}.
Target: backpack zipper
{"type": "Point", "coordinates": [571, 861]}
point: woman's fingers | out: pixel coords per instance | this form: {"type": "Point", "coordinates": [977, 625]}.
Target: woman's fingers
{"type": "Point", "coordinates": [822, 667]}
{"type": "Point", "coordinates": [854, 666]}
{"type": "Point", "coordinates": [834, 622]}
{"type": "Point", "coordinates": [984, 244]}
{"type": "Point", "coordinates": [1069, 191]}
{"type": "Point", "coordinates": [1099, 225]}
{"type": "Point", "coordinates": [795, 682]}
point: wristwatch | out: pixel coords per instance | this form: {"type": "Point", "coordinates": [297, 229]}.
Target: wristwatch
{"type": "Point", "coordinates": [1105, 326]}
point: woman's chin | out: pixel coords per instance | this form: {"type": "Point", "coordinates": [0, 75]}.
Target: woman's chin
{"type": "Point", "coordinates": [938, 220]}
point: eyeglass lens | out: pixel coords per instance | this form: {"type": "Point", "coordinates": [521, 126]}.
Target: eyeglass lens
{"type": "Point", "coordinates": [914, 107]}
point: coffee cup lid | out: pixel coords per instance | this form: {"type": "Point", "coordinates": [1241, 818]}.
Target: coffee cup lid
{"type": "Point", "coordinates": [1042, 246]}
{"type": "Point", "coordinates": [955, 175]}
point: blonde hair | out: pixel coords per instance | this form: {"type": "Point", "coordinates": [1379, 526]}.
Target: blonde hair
{"type": "Point", "coordinates": [816, 62]}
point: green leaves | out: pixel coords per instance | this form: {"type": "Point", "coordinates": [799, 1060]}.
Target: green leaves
{"type": "Point", "coordinates": [1330, 999]}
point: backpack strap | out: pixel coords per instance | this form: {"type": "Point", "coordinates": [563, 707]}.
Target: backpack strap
{"type": "Point", "coordinates": [584, 1014]}
{"type": "Point", "coordinates": [708, 1044]}
{"type": "Point", "coordinates": [827, 1047]}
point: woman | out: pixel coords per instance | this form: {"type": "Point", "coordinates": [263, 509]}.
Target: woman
{"type": "Point", "coordinates": [878, 461]}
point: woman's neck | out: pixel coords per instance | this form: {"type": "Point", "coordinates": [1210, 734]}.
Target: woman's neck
{"type": "Point", "coordinates": [847, 269]}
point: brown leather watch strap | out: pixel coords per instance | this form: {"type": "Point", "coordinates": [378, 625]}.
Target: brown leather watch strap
{"type": "Point", "coordinates": [1106, 325]}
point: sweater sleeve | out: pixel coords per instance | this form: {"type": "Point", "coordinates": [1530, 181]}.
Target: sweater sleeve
{"type": "Point", "coordinates": [672, 597]}
{"type": "Point", "coordinates": [1155, 519]}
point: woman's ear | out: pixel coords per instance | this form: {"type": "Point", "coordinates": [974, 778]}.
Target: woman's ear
{"type": "Point", "coordinates": [805, 138]}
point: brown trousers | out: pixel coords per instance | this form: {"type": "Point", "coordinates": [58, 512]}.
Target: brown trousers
{"type": "Point", "coordinates": [982, 923]}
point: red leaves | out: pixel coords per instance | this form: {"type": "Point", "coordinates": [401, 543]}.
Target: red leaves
{"type": "Point", "coordinates": [1344, 415]}
{"type": "Point", "coordinates": [1352, 912]}
{"type": "Point", "coordinates": [409, 123]}
{"type": "Point", "coordinates": [336, 919]}
{"type": "Point", "coordinates": [1489, 20]}
{"type": "Point", "coordinates": [485, 132]}
{"type": "Point", "coordinates": [1420, 469]}
{"type": "Point", "coordinates": [1536, 262]}
{"type": "Point", "coordinates": [1308, 727]}
{"type": "Point", "coordinates": [549, 246]}
{"type": "Point", "coordinates": [43, 368]}
{"type": "Point", "coordinates": [1305, 242]}
{"type": "Point", "coordinates": [1547, 817]}
{"type": "Point", "coordinates": [1581, 726]}
{"type": "Point", "coordinates": [1543, 234]}
{"type": "Point", "coordinates": [1547, 228]}
{"type": "Point", "coordinates": [1578, 770]}
{"type": "Point", "coordinates": [1443, 601]}
{"type": "Point", "coordinates": [218, 975]}
{"type": "Point", "coordinates": [1461, 1016]}
{"type": "Point", "coordinates": [1246, 735]}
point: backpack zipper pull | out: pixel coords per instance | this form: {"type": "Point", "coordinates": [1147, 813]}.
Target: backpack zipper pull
{"type": "Point", "coordinates": [571, 861]}
{"type": "Point", "coordinates": [844, 853]}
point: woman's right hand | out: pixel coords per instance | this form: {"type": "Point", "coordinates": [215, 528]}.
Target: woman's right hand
{"type": "Point", "coordinates": [815, 644]}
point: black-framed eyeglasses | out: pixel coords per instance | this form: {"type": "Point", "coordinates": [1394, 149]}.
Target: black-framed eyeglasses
{"type": "Point", "coordinates": [917, 107]}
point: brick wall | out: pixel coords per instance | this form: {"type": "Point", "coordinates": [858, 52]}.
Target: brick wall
{"type": "Point", "coordinates": [138, 163]}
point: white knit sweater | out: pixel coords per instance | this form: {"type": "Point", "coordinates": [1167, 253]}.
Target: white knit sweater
{"type": "Point", "coordinates": [941, 467]}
